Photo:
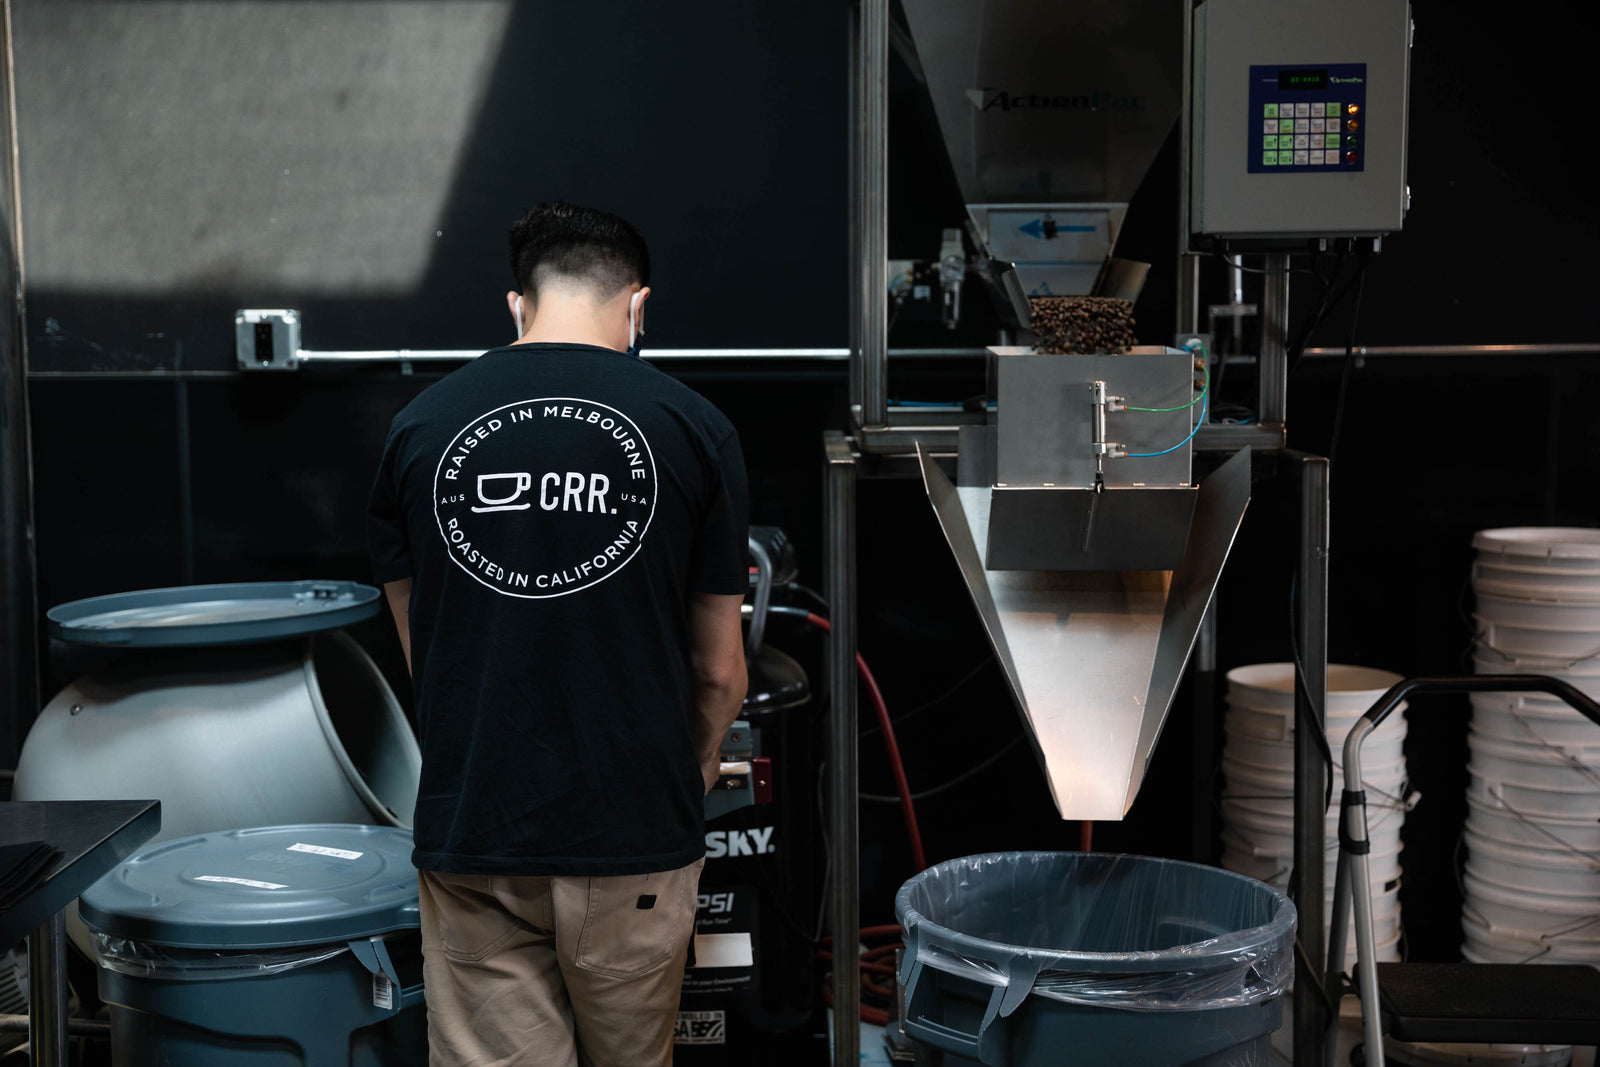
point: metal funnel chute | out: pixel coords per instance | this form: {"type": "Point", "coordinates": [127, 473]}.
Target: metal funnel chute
{"type": "Point", "coordinates": [1052, 113]}
{"type": "Point", "coordinates": [1093, 657]}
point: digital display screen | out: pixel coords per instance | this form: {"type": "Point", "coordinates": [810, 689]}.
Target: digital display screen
{"type": "Point", "coordinates": [1289, 80]}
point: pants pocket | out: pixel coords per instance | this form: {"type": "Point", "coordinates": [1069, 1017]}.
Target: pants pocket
{"type": "Point", "coordinates": [637, 923]}
{"type": "Point", "coordinates": [472, 921]}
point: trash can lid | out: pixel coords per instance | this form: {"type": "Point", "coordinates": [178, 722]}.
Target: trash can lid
{"type": "Point", "coordinates": [194, 615]}
{"type": "Point", "coordinates": [273, 887]}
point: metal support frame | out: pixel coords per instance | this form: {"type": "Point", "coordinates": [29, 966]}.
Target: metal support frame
{"type": "Point", "coordinates": [870, 231]}
{"type": "Point", "coordinates": [19, 659]}
{"type": "Point", "coordinates": [1272, 402]}
{"type": "Point", "coordinates": [1310, 769]}
{"type": "Point", "coordinates": [1203, 738]}
{"type": "Point", "coordinates": [845, 904]}
{"type": "Point", "coordinates": [47, 993]}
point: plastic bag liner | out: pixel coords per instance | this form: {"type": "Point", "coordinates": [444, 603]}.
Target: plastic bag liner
{"type": "Point", "coordinates": [141, 960]}
{"type": "Point", "coordinates": [1127, 932]}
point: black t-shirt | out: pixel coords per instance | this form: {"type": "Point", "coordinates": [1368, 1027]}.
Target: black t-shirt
{"type": "Point", "coordinates": [557, 505]}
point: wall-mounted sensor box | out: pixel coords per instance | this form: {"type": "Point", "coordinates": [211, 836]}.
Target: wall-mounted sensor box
{"type": "Point", "coordinates": [1298, 127]}
{"type": "Point", "coordinates": [266, 339]}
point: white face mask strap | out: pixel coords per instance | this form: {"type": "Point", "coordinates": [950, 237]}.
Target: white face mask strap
{"type": "Point", "coordinates": [519, 317]}
{"type": "Point", "coordinates": [633, 310]}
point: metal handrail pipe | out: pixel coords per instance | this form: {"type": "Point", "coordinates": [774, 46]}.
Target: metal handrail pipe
{"type": "Point", "coordinates": [1575, 348]}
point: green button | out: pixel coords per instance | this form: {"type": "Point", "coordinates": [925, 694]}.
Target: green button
{"type": "Point", "coordinates": [1270, 141]}
{"type": "Point", "coordinates": [1333, 109]}
{"type": "Point", "coordinates": [1269, 159]}
{"type": "Point", "coordinates": [1351, 140]}
{"type": "Point", "coordinates": [1286, 125]}
{"type": "Point", "coordinates": [1271, 111]}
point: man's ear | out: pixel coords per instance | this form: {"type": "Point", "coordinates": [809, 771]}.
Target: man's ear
{"type": "Point", "coordinates": [511, 305]}
{"type": "Point", "coordinates": [643, 295]}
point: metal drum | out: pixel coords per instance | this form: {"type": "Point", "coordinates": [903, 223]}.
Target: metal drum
{"type": "Point", "coordinates": [235, 706]}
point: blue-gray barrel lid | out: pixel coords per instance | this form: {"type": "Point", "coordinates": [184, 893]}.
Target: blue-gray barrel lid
{"type": "Point", "coordinates": [193, 616]}
{"type": "Point", "coordinates": [272, 887]}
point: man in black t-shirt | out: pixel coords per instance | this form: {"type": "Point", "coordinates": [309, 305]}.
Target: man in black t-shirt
{"type": "Point", "coordinates": [560, 530]}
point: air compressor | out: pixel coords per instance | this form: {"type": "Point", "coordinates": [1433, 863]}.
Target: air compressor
{"type": "Point", "coordinates": [749, 994]}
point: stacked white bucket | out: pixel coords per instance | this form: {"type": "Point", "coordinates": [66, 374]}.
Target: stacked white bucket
{"type": "Point", "coordinates": [1258, 784]}
{"type": "Point", "coordinates": [1533, 795]}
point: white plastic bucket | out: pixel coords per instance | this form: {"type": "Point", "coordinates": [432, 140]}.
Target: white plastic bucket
{"type": "Point", "coordinates": [1250, 780]}
{"type": "Point", "coordinates": [1520, 830]}
{"type": "Point", "coordinates": [1492, 943]}
{"type": "Point", "coordinates": [1581, 616]}
{"type": "Point", "coordinates": [1383, 863]}
{"type": "Point", "coordinates": [1385, 894]}
{"type": "Point", "coordinates": [1503, 572]}
{"type": "Point", "coordinates": [1515, 642]}
{"type": "Point", "coordinates": [1476, 951]}
{"type": "Point", "coordinates": [1278, 724]}
{"type": "Point", "coordinates": [1571, 918]}
{"type": "Point", "coordinates": [1270, 686]}
{"type": "Point", "coordinates": [1253, 821]}
{"type": "Point", "coordinates": [1574, 770]}
{"type": "Point", "coordinates": [1582, 674]}
{"type": "Point", "coordinates": [1519, 718]}
{"type": "Point", "coordinates": [1382, 748]}
{"type": "Point", "coordinates": [1574, 590]}
{"type": "Point", "coordinates": [1555, 548]}
{"type": "Point", "coordinates": [1551, 873]}
{"type": "Point", "coordinates": [1532, 800]}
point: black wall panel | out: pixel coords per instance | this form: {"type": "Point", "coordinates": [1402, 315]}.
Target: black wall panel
{"type": "Point", "coordinates": [722, 131]}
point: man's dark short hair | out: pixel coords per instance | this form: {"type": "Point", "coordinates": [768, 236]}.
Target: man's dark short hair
{"type": "Point", "coordinates": [580, 243]}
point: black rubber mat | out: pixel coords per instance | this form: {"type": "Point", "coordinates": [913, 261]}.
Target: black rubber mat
{"type": "Point", "coordinates": [1491, 1002]}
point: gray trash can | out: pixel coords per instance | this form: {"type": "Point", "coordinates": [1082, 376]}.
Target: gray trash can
{"type": "Point", "coordinates": [1033, 958]}
{"type": "Point", "coordinates": [287, 945]}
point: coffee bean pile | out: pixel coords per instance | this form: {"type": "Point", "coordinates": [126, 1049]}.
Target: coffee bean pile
{"type": "Point", "coordinates": [1083, 325]}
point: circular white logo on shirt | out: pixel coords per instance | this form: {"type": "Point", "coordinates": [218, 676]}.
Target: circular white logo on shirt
{"type": "Point", "coordinates": [545, 497]}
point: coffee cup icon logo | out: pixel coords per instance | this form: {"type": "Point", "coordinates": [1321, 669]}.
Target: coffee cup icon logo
{"type": "Point", "coordinates": [521, 482]}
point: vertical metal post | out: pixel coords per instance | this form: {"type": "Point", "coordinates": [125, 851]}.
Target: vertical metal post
{"type": "Point", "coordinates": [19, 659]}
{"type": "Point", "coordinates": [1310, 770]}
{"type": "Point", "coordinates": [872, 230]}
{"type": "Point", "coordinates": [1203, 739]}
{"type": "Point", "coordinates": [1188, 265]}
{"type": "Point", "coordinates": [840, 517]}
{"type": "Point", "coordinates": [1273, 402]}
{"type": "Point", "coordinates": [853, 210]}
{"type": "Point", "coordinates": [47, 993]}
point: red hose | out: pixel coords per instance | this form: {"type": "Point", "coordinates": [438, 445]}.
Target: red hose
{"type": "Point", "coordinates": [918, 859]}
{"type": "Point", "coordinates": [1086, 836]}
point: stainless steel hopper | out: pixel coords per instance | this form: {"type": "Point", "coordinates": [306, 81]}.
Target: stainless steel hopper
{"type": "Point", "coordinates": [1093, 657]}
{"type": "Point", "coordinates": [1052, 113]}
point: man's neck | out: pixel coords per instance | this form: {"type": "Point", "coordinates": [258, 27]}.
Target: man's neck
{"type": "Point", "coordinates": [568, 322]}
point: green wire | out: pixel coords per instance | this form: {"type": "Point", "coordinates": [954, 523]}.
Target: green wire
{"type": "Point", "coordinates": [1205, 373]}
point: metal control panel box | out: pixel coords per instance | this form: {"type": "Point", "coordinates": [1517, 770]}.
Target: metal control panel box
{"type": "Point", "coordinates": [1299, 119]}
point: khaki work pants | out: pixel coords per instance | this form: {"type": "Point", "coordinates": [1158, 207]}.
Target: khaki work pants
{"type": "Point", "coordinates": [557, 971]}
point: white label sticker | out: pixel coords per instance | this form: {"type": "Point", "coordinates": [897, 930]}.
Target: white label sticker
{"type": "Point", "coordinates": [324, 850]}
{"type": "Point", "coordinates": [382, 990]}
{"type": "Point", "coordinates": [723, 950]}
{"type": "Point", "coordinates": [701, 1028]}
{"type": "Point", "coordinates": [251, 882]}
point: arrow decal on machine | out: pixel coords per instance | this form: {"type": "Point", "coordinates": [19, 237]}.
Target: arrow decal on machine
{"type": "Point", "coordinates": [1035, 228]}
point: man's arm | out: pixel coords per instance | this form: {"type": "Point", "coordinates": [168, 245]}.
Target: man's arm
{"type": "Point", "coordinates": [716, 648]}
{"type": "Point", "coordinates": [399, 596]}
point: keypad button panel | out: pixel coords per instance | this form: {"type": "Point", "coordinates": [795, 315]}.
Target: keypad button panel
{"type": "Point", "coordinates": [1311, 128]}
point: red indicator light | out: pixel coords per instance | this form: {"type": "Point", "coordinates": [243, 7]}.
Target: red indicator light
{"type": "Point", "coordinates": [1350, 156]}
